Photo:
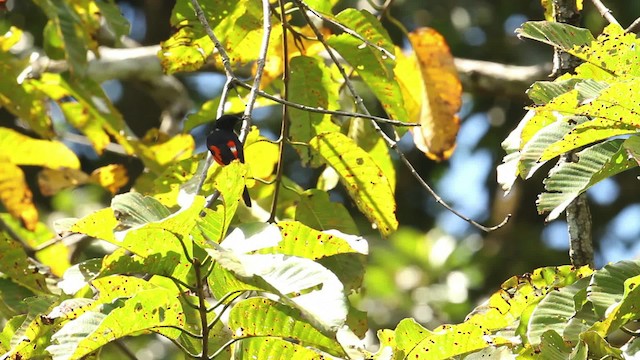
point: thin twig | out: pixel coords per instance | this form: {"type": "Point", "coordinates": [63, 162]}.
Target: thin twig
{"type": "Point", "coordinates": [634, 27]}
{"type": "Point", "coordinates": [294, 105]}
{"type": "Point", "coordinates": [605, 12]}
{"type": "Point", "coordinates": [125, 350]}
{"type": "Point", "coordinates": [346, 30]}
{"type": "Point", "coordinates": [284, 128]}
{"type": "Point", "coordinates": [390, 142]}
{"type": "Point", "coordinates": [202, 309]}
{"type": "Point", "coordinates": [262, 57]}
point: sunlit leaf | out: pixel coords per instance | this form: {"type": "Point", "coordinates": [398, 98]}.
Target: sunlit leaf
{"type": "Point", "coordinates": [23, 150]}
{"type": "Point", "coordinates": [157, 150]}
{"type": "Point", "coordinates": [561, 35]}
{"type": "Point", "coordinates": [15, 264]}
{"type": "Point", "coordinates": [146, 310]}
{"type": "Point", "coordinates": [316, 210]}
{"type": "Point", "coordinates": [364, 180]}
{"type": "Point", "coordinates": [237, 24]}
{"type": "Point", "coordinates": [436, 136]}
{"type": "Point", "coordinates": [55, 255]}
{"type": "Point", "coordinates": [366, 136]}
{"type": "Point", "coordinates": [275, 348]}
{"type": "Point", "coordinates": [311, 84]}
{"type": "Point", "coordinates": [16, 196]}
{"type": "Point", "coordinates": [260, 317]}
{"type": "Point", "coordinates": [86, 107]}
{"type": "Point", "coordinates": [111, 177]}
{"type": "Point", "coordinates": [373, 65]}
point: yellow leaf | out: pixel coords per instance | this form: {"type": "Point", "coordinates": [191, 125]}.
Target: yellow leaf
{"type": "Point", "coordinates": [363, 179]}
{"type": "Point", "coordinates": [23, 150]}
{"type": "Point", "coordinates": [16, 196]}
{"type": "Point", "coordinates": [442, 89]}
{"type": "Point", "coordinates": [52, 181]}
{"type": "Point", "coordinates": [111, 177]}
{"type": "Point", "coordinates": [157, 149]}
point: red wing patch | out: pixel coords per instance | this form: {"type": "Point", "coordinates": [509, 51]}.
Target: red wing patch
{"type": "Point", "coordinates": [217, 154]}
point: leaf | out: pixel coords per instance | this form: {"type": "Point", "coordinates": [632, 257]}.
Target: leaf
{"type": "Point", "coordinates": [74, 35]}
{"type": "Point", "coordinates": [310, 84]}
{"type": "Point", "coordinates": [16, 196]}
{"type": "Point", "coordinates": [55, 255]}
{"type": "Point", "coordinates": [373, 65]}
{"type": "Point", "coordinates": [554, 312]}
{"type": "Point", "coordinates": [362, 178]}
{"type": "Point", "coordinates": [24, 104]}
{"type": "Point", "coordinates": [99, 224]}
{"type": "Point", "coordinates": [15, 264]}
{"type": "Point", "coordinates": [366, 136]}
{"type": "Point", "coordinates": [52, 181]}
{"type": "Point", "coordinates": [274, 348]}
{"type": "Point", "coordinates": [569, 179]}
{"type": "Point", "coordinates": [86, 107]}
{"type": "Point", "coordinates": [114, 19]}
{"type": "Point", "coordinates": [613, 113]}
{"type": "Point", "coordinates": [111, 177]}
{"type": "Point", "coordinates": [31, 338]}
{"type": "Point", "coordinates": [261, 155]}
{"type": "Point", "coordinates": [157, 150]}
{"type": "Point", "coordinates": [237, 24]}
{"type": "Point", "coordinates": [560, 35]}
{"type": "Point", "coordinates": [608, 284]}
{"type": "Point", "coordinates": [261, 317]}
{"type": "Point", "coordinates": [300, 283]}
{"type": "Point", "coordinates": [344, 255]}
{"type": "Point", "coordinates": [20, 149]}
{"type": "Point", "coordinates": [133, 209]}
{"type": "Point", "coordinates": [316, 210]}
{"type": "Point", "coordinates": [441, 99]}
{"type": "Point", "coordinates": [146, 310]}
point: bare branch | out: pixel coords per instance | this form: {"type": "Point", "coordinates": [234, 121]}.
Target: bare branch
{"type": "Point", "coordinates": [605, 12]}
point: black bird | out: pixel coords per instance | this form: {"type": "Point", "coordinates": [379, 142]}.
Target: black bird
{"type": "Point", "coordinates": [225, 145]}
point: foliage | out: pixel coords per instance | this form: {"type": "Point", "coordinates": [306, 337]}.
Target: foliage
{"type": "Point", "coordinates": [220, 281]}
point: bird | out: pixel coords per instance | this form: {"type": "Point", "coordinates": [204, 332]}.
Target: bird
{"type": "Point", "coordinates": [225, 146]}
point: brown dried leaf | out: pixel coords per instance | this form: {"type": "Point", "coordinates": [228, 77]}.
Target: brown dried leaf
{"type": "Point", "coordinates": [442, 95]}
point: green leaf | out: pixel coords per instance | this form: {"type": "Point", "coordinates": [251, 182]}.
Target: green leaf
{"type": "Point", "coordinates": [23, 150]}
{"type": "Point", "coordinates": [33, 335]}
{"type": "Point", "coordinates": [274, 348]}
{"type": "Point", "coordinates": [150, 309]}
{"type": "Point", "coordinates": [311, 84]}
{"type": "Point", "coordinates": [15, 264]}
{"type": "Point", "coordinates": [68, 24]}
{"type": "Point", "coordinates": [554, 312]}
{"type": "Point", "coordinates": [613, 113]}
{"type": "Point", "coordinates": [316, 210]}
{"type": "Point", "coordinates": [261, 317]}
{"type": "Point", "coordinates": [623, 312]}
{"type": "Point", "coordinates": [86, 107]}
{"type": "Point", "coordinates": [133, 209]}
{"type": "Point", "coordinates": [366, 136]}
{"type": "Point", "coordinates": [237, 24]}
{"type": "Point", "coordinates": [114, 19]}
{"type": "Point", "coordinates": [553, 347]}
{"type": "Point", "coordinates": [299, 282]}
{"type": "Point", "coordinates": [607, 285]}
{"type": "Point", "coordinates": [599, 348]}
{"type": "Point", "coordinates": [374, 66]}
{"type": "Point", "coordinates": [569, 179]}
{"type": "Point", "coordinates": [344, 255]}
{"type": "Point", "coordinates": [362, 177]}
{"type": "Point", "coordinates": [99, 224]}
{"type": "Point", "coordinates": [556, 34]}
